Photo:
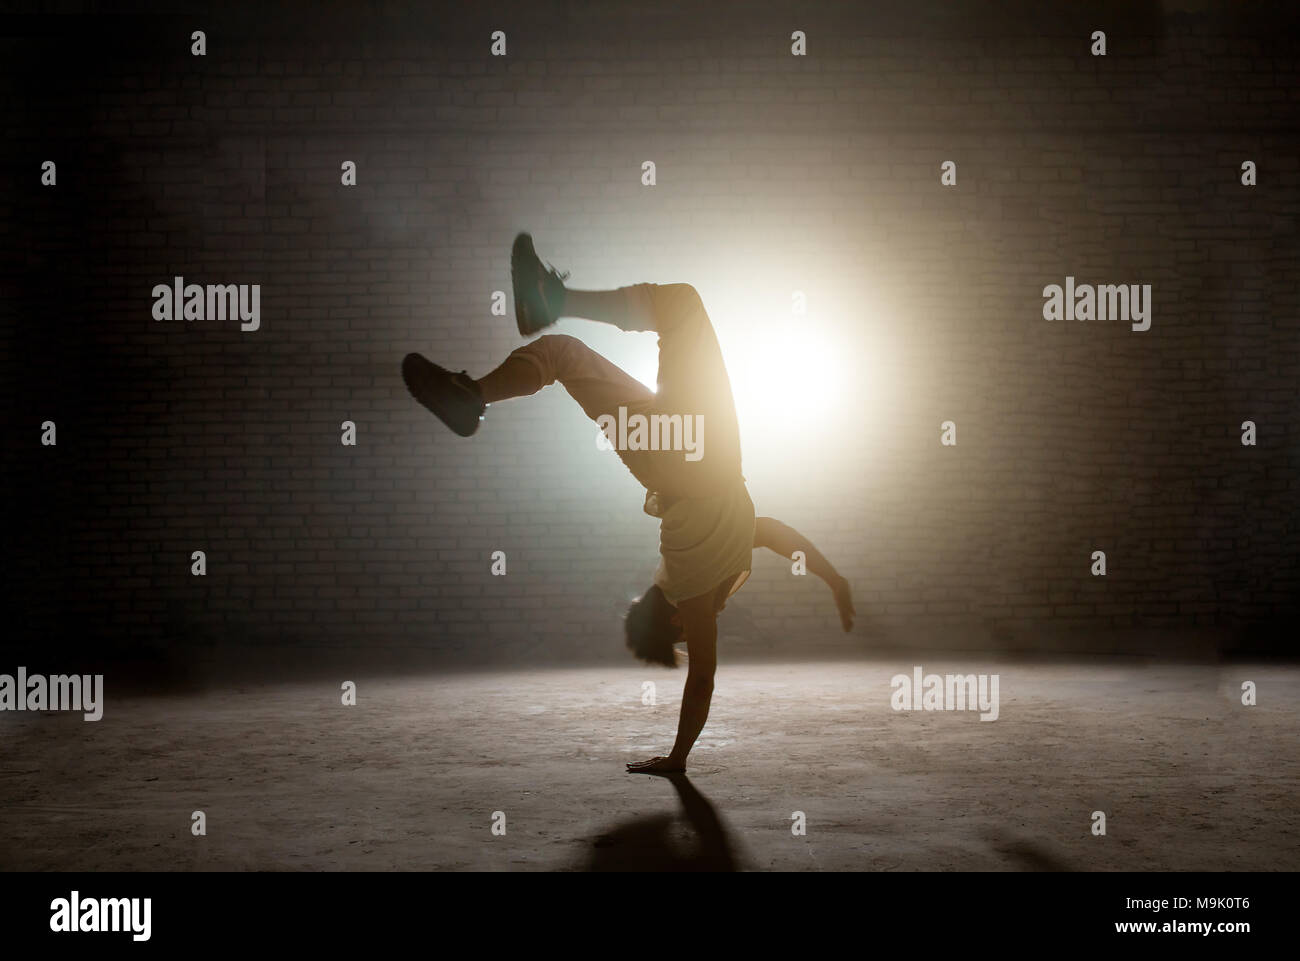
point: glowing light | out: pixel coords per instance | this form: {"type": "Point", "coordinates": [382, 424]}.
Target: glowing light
{"type": "Point", "coordinates": [787, 376]}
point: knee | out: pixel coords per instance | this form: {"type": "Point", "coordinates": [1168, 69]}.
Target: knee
{"type": "Point", "coordinates": [685, 298]}
{"type": "Point", "coordinates": [557, 345]}
{"type": "Point", "coordinates": [555, 354]}
{"type": "Point", "coordinates": [557, 341]}
{"type": "Point", "coordinates": [687, 291]}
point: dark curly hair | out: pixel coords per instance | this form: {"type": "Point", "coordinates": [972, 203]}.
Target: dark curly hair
{"type": "Point", "coordinates": [650, 630]}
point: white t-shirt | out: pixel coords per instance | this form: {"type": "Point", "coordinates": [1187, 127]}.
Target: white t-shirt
{"type": "Point", "coordinates": [704, 541]}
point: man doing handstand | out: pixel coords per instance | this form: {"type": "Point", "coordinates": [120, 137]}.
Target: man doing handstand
{"type": "Point", "coordinates": [707, 527]}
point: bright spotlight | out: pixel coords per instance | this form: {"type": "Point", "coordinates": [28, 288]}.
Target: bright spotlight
{"type": "Point", "coordinates": [786, 376]}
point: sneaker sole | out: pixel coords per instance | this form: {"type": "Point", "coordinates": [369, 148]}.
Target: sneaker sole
{"type": "Point", "coordinates": [524, 252]}
{"type": "Point", "coordinates": [421, 377]}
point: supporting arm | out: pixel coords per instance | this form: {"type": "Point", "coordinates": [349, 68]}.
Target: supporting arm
{"type": "Point", "coordinates": [700, 627]}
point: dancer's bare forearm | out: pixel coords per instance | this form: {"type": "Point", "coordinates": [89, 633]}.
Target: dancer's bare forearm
{"type": "Point", "coordinates": [697, 695]}
{"type": "Point", "coordinates": [700, 627]}
{"type": "Point", "coordinates": [785, 540]}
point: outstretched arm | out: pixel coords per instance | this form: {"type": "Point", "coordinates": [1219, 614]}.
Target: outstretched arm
{"type": "Point", "coordinates": [700, 627]}
{"type": "Point", "coordinates": [785, 540]}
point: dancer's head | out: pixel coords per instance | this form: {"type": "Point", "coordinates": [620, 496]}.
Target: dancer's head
{"type": "Point", "coordinates": [652, 627]}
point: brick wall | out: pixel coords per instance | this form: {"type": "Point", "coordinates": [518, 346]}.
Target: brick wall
{"type": "Point", "coordinates": [775, 173]}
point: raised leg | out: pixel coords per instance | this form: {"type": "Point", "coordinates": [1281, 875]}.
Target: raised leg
{"type": "Point", "coordinates": [599, 386]}
{"type": "Point", "coordinates": [516, 376]}
{"type": "Point", "coordinates": [596, 383]}
{"type": "Point", "coordinates": [623, 308]}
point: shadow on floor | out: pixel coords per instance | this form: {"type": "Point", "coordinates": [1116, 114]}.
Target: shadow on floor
{"type": "Point", "coordinates": [1027, 856]}
{"type": "Point", "coordinates": [662, 842]}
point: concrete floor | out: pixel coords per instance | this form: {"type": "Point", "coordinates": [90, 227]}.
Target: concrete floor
{"type": "Point", "coordinates": [410, 777]}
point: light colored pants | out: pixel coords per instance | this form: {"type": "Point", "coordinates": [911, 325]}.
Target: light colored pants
{"type": "Point", "coordinates": [692, 381]}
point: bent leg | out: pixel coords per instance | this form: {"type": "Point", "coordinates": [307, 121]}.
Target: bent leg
{"type": "Point", "coordinates": [599, 386]}
{"type": "Point", "coordinates": [627, 308]}
{"type": "Point", "coordinates": [692, 381]}
{"type": "Point", "coordinates": [596, 383]}
{"type": "Point", "coordinates": [560, 357]}
{"type": "Point", "coordinates": [692, 378]}
{"type": "Point", "coordinates": [662, 308]}
{"type": "Point", "coordinates": [516, 376]}
{"type": "Point", "coordinates": [688, 347]}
